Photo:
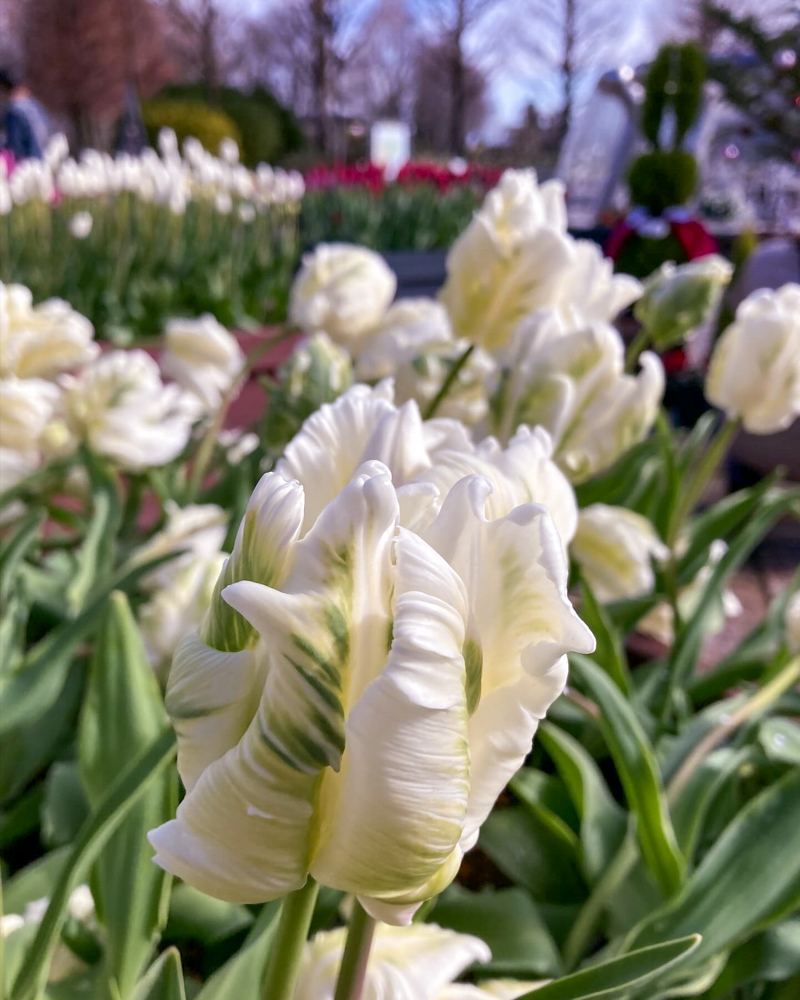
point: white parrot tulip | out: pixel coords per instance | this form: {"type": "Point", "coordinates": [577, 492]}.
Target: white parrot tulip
{"type": "Point", "coordinates": [342, 289]}
{"type": "Point", "coordinates": [754, 372]}
{"type": "Point", "coordinates": [41, 341]}
{"type": "Point", "coordinates": [614, 548]}
{"type": "Point", "coordinates": [509, 260]}
{"type": "Point", "coordinates": [203, 358]}
{"type": "Point", "coordinates": [122, 408]}
{"type": "Point", "coordinates": [406, 963]}
{"type": "Point", "coordinates": [573, 383]}
{"type": "Point", "coordinates": [367, 694]}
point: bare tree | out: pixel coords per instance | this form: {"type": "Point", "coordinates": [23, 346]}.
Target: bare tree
{"type": "Point", "coordinates": [300, 49]}
{"type": "Point", "coordinates": [83, 57]}
{"type": "Point", "coordinates": [435, 97]}
{"type": "Point", "coordinates": [380, 79]}
{"type": "Point", "coordinates": [571, 36]}
{"type": "Point", "coordinates": [455, 24]}
{"type": "Point", "coordinates": [203, 37]}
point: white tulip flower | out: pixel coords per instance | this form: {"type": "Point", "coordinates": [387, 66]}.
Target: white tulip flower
{"type": "Point", "coordinates": [122, 408]}
{"type": "Point", "coordinates": [425, 458]}
{"type": "Point", "coordinates": [411, 327]}
{"type": "Point", "coordinates": [614, 548]}
{"type": "Point", "coordinates": [509, 261]}
{"type": "Point", "coordinates": [376, 692]}
{"type": "Point", "coordinates": [80, 225]}
{"type": "Point", "coordinates": [754, 372]}
{"type": "Point", "coordinates": [80, 906]}
{"type": "Point", "coordinates": [342, 289]}
{"type": "Point", "coordinates": [405, 963]}
{"type": "Point", "coordinates": [41, 341]}
{"type": "Point", "coordinates": [573, 382]}
{"type": "Point", "coordinates": [197, 530]}
{"type": "Point", "coordinates": [589, 291]}
{"type": "Point", "coordinates": [202, 357]}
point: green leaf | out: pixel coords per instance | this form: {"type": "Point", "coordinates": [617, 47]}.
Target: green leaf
{"type": "Point", "coordinates": [636, 763]}
{"type": "Point", "coordinates": [509, 922]}
{"type": "Point", "coordinates": [163, 980]}
{"type": "Point", "coordinates": [64, 809]}
{"type": "Point", "coordinates": [768, 957]}
{"type": "Point", "coordinates": [194, 916]}
{"type": "Point", "coordinates": [603, 822]}
{"type": "Point", "coordinates": [96, 555]}
{"type": "Point", "coordinates": [14, 550]}
{"type": "Point", "coordinates": [34, 881]}
{"type": "Point", "coordinates": [615, 977]}
{"type": "Point", "coordinates": [123, 712]}
{"type": "Point", "coordinates": [688, 642]}
{"type": "Point", "coordinates": [609, 652]}
{"type": "Point", "coordinates": [616, 485]}
{"type": "Point", "coordinates": [37, 684]}
{"type": "Point", "coordinates": [241, 975]}
{"type": "Point", "coordinates": [530, 854]}
{"type": "Point", "coordinates": [780, 739]}
{"type": "Point", "coordinates": [129, 785]}
{"type": "Point", "coordinates": [749, 877]}
{"type": "Point", "coordinates": [690, 809]}
{"type": "Point", "coordinates": [546, 798]}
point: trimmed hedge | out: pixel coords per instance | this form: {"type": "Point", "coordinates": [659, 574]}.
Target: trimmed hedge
{"type": "Point", "coordinates": [189, 118]}
{"type": "Point", "coordinates": [268, 131]}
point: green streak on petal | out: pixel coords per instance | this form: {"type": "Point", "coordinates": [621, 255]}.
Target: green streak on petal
{"type": "Point", "coordinates": [473, 660]}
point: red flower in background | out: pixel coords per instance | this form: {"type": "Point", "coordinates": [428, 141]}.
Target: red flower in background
{"type": "Point", "coordinates": [371, 176]}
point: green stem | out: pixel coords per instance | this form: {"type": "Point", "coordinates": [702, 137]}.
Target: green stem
{"type": "Point", "coordinates": [353, 970]}
{"type": "Point", "coordinates": [708, 466]}
{"type": "Point", "coordinates": [635, 348]}
{"type": "Point", "coordinates": [283, 966]}
{"type": "Point", "coordinates": [447, 385]}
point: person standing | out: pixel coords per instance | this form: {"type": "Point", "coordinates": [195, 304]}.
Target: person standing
{"type": "Point", "coordinates": [24, 121]}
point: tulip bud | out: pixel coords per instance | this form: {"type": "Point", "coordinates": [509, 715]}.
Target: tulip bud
{"type": "Point", "coordinates": [317, 372]}
{"type": "Point", "coordinates": [678, 300]}
{"type": "Point", "coordinates": [614, 548]}
{"type": "Point", "coordinates": [754, 372]}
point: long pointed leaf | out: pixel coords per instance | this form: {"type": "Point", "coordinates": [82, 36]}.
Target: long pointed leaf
{"type": "Point", "coordinates": [636, 763]}
{"type": "Point", "coordinates": [116, 803]}
{"type": "Point", "coordinates": [617, 976]}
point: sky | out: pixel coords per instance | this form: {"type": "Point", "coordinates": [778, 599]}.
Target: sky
{"type": "Point", "coordinates": [644, 20]}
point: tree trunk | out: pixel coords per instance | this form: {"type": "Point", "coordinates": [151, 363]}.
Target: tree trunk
{"type": "Point", "coordinates": [320, 75]}
{"type": "Point", "coordinates": [568, 68]}
{"type": "Point", "coordinates": [457, 97]}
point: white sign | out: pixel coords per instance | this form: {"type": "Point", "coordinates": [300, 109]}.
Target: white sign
{"type": "Point", "coordinates": [390, 146]}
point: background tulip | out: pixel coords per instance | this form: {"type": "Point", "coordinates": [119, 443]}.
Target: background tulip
{"type": "Point", "coordinates": [203, 358]}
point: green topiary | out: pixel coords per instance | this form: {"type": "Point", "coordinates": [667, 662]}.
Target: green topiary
{"type": "Point", "coordinates": [189, 118]}
{"type": "Point", "coordinates": [674, 81]}
{"type": "Point", "coordinates": [268, 131]}
{"type": "Point", "coordinates": [662, 179]}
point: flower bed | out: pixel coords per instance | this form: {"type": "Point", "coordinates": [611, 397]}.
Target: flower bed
{"type": "Point", "coordinates": [132, 241]}
{"type": "Point", "coordinates": [347, 635]}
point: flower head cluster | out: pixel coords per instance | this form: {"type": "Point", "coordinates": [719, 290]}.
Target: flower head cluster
{"type": "Point", "coordinates": [384, 608]}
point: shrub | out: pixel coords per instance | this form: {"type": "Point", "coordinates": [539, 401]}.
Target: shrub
{"type": "Point", "coordinates": [661, 179]}
{"type": "Point", "coordinates": [189, 118]}
{"type": "Point", "coordinates": [268, 130]}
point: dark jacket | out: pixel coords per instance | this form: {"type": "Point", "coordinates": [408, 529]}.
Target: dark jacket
{"type": "Point", "coordinates": [20, 137]}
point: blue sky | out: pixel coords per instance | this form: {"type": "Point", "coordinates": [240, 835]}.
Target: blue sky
{"type": "Point", "coordinates": [644, 19]}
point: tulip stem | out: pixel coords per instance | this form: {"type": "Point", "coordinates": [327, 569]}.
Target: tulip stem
{"type": "Point", "coordinates": [353, 970]}
{"type": "Point", "coordinates": [447, 385]}
{"type": "Point", "coordinates": [635, 348]}
{"type": "Point", "coordinates": [283, 966]}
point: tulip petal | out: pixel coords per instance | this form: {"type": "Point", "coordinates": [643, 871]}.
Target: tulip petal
{"type": "Point", "coordinates": [211, 698]}
{"type": "Point", "coordinates": [331, 445]}
{"type": "Point", "coordinates": [394, 815]}
{"type": "Point", "coordinates": [247, 830]}
{"type": "Point", "coordinates": [521, 625]}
